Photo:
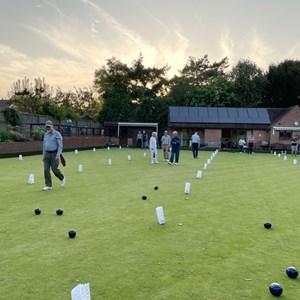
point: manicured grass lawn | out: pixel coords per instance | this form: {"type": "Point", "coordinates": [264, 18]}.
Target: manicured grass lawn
{"type": "Point", "coordinates": [213, 245]}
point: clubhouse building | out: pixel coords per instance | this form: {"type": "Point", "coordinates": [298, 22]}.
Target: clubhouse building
{"type": "Point", "coordinates": [221, 127]}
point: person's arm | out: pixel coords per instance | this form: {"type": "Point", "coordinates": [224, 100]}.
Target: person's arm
{"type": "Point", "coordinates": [44, 146]}
{"type": "Point", "coordinates": [59, 145]}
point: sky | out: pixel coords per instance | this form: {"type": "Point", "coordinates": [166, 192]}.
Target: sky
{"type": "Point", "coordinates": [65, 41]}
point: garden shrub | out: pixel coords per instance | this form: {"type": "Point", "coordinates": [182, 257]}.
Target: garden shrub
{"type": "Point", "coordinates": [37, 134]}
{"type": "Point", "coordinates": [12, 116]}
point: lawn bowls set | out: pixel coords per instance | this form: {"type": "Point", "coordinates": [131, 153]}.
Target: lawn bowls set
{"type": "Point", "coordinates": [275, 288]}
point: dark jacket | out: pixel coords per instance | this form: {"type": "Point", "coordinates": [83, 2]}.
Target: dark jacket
{"type": "Point", "coordinates": [175, 143]}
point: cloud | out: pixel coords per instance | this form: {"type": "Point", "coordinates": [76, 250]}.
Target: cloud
{"type": "Point", "coordinates": [293, 53]}
{"type": "Point", "coordinates": [260, 51]}
{"type": "Point", "coordinates": [57, 72]}
{"type": "Point", "coordinates": [227, 46]}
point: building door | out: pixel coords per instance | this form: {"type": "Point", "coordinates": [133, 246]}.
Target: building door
{"type": "Point", "coordinates": [124, 136]}
{"type": "Point", "coordinates": [226, 138]}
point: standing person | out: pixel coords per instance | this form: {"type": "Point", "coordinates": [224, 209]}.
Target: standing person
{"type": "Point", "coordinates": [52, 149]}
{"type": "Point", "coordinates": [69, 124]}
{"type": "Point", "coordinates": [175, 145]}
{"type": "Point", "coordinates": [195, 144]}
{"type": "Point", "coordinates": [144, 139]}
{"type": "Point", "coordinates": [165, 144]}
{"type": "Point", "coordinates": [139, 138]}
{"type": "Point", "coordinates": [153, 148]}
{"type": "Point", "coordinates": [294, 146]}
{"type": "Point", "coordinates": [251, 140]}
{"type": "Point", "coordinates": [242, 143]}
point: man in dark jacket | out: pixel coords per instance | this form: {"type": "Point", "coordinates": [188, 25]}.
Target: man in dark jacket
{"type": "Point", "coordinates": [175, 148]}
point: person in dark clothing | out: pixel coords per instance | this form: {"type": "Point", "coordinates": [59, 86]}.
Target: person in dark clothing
{"type": "Point", "coordinates": [294, 147]}
{"type": "Point", "coordinates": [144, 140]}
{"type": "Point", "coordinates": [139, 138]}
{"type": "Point", "coordinates": [175, 148]}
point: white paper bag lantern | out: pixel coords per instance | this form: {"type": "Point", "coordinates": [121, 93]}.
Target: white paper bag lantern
{"type": "Point", "coordinates": [187, 188]}
{"type": "Point", "coordinates": [208, 161]}
{"type": "Point", "coordinates": [295, 161]}
{"type": "Point", "coordinates": [20, 157]}
{"type": "Point", "coordinates": [109, 161]}
{"type": "Point", "coordinates": [145, 154]}
{"type": "Point", "coordinates": [76, 151]}
{"type": "Point", "coordinates": [81, 292]}
{"type": "Point", "coordinates": [31, 179]}
{"type": "Point", "coordinates": [275, 153]}
{"type": "Point", "coordinates": [199, 174]}
{"type": "Point", "coordinates": [129, 157]}
{"type": "Point", "coordinates": [279, 155]}
{"type": "Point", "coordinates": [120, 147]}
{"type": "Point", "coordinates": [160, 215]}
{"type": "Point", "coordinates": [94, 149]}
{"type": "Point", "coordinates": [108, 148]}
{"type": "Point", "coordinates": [80, 168]}
{"type": "Point", "coordinates": [205, 166]}
{"type": "Point", "coordinates": [285, 157]}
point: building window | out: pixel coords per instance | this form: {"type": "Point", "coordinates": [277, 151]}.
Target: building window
{"type": "Point", "coordinates": [285, 135]}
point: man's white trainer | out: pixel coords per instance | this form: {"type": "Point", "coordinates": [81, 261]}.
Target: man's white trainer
{"type": "Point", "coordinates": [47, 188]}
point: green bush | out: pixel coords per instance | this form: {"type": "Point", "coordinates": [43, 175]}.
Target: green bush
{"type": "Point", "coordinates": [37, 134]}
{"type": "Point", "coordinates": [16, 136]}
{"type": "Point", "coordinates": [4, 137]}
{"type": "Point", "coordinates": [12, 116]}
{"type": "Point", "coordinates": [11, 136]}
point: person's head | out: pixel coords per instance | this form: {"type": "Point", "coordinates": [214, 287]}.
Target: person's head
{"type": "Point", "coordinates": [175, 133]}
{"type": "Point", "coordinates": [49, 126]}
{"type": "Point", "coordinates": [154, 134]}
{"type": "Point", "coordinates": [165, 132]}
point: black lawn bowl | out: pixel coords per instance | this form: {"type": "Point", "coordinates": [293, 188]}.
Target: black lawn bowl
{"type": "Point", "coordinates": [268, 225]}
{"type": "Point", "coordinates": [37, 211]}
{"type": "Point", "coordinates": [59, 211]}
{"type": "Point", "coordinates": [72, 233]}
{"type": "Point", "coordinates": [292, 272]}
{"type": "Point", "coordinates": [156, 187]}
{"type": "Point", "coordinates": [144, 197]}
{"type": "Point", "coordinates": [275, 289]}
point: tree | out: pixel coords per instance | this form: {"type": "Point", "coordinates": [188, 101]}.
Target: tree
{"type": "Point", "coordinates": [283, 89]}
{"type": "Point", "coordinates": [116, 107]}
{"type": "Point", "coordinates": [146, 82]}
{"type": "Point", "coordinates": [123, 88]}
{"type": "Point", "coordinates": [37, 98]}
{"type": "Point", "coordinates": [249, 84]}
{"type": "Point", "coordinates": [81, 102]}
{"type": "Point", "coordinates": [29, 96]}
{"type": "Point", "coordinates": [200, 83]}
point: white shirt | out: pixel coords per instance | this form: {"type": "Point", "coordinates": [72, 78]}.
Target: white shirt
{"type": "Point", "coordinates": [152, 143]}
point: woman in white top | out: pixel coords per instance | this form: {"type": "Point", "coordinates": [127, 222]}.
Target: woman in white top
{"type": "Point", "coordinates": [153, 147]}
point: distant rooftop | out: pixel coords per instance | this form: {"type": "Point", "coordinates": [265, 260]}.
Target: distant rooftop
{"type": "Point", "coordinates": [219, 115]}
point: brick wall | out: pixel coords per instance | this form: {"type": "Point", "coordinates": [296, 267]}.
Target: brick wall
{"type": "Point", "coordinates": [260, 136]}
{"type": "Point", "coordinates": [287, 120]}
{"type": "Point", "coordinates": [68, 142]}
{"type": "Point", "coordinates": [212, 137]}
{"type": "Point", "coordinates": [30, 121]}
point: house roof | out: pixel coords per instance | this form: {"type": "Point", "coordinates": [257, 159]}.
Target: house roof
{"type": "Point", "coordinates": [219, 115]}
{"type": "Point", "coordinates": [276, 113]}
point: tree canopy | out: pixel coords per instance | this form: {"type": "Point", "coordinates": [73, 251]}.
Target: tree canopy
{"type": "Point", "coordinates": [138, 93]}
